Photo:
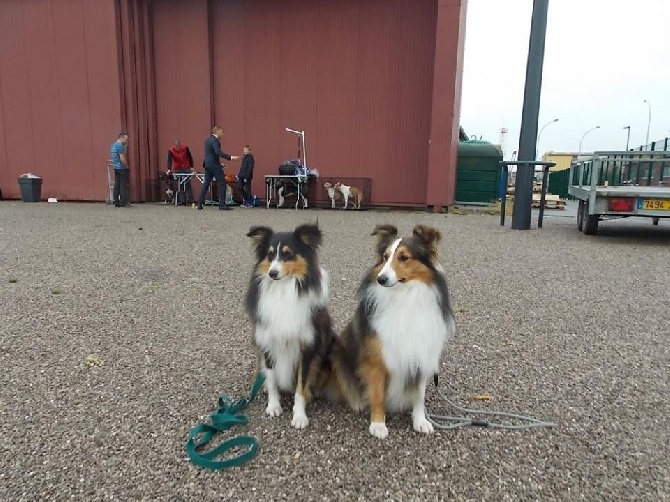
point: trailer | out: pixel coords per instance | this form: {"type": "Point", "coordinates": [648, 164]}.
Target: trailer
{"type": "Point", "coordinates": [612, 185]}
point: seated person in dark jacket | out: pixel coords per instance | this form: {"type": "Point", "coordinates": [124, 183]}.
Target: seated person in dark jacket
{"type": "Point", "coordinates": [180, 161]}
{"type": "Point", "coordinates": [245, 175]}
{"type": "Point", "coordinates": [213, 167]}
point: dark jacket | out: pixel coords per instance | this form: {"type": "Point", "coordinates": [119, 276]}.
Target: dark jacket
{"type": "Point", "coordinates": [213, 152]}
{"type": "Point", "coordinates": [247, 167]}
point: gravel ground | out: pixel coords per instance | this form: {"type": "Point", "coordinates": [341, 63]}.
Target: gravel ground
{"type": "Point", "coordinates": [553, 324]}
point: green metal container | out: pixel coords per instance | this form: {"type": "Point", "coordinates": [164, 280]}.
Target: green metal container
{"type": "Point", "coordinates": [558, 183]}
{"type": "Point", "coordinates": [478, 172]}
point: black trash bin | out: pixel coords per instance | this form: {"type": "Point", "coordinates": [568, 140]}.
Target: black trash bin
{"type": "Point", "coordinates": [31, 189]}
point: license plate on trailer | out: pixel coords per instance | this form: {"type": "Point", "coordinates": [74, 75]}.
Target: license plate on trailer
{"type": "Point", "coordinates": [653, 204]}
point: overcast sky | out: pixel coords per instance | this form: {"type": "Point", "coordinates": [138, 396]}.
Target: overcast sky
{"type": "Point", "coordinates": [602, 60]}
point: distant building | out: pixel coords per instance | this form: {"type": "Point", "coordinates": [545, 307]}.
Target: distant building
{"type": "Point", "coordinates": [564, 159]}
{"type": "Point", "coordinates": [375, 85]}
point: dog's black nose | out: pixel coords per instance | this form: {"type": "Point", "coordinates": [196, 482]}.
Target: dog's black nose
{"type": "Point", "coordinates": [273, 274]}
{"type": "Point", "coordinates": [382, 279]}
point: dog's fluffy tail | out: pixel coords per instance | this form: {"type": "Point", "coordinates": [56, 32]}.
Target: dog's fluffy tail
{"type": "Point", "coordinates": [340, 379]}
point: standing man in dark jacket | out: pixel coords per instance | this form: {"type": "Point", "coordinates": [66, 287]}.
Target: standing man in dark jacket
{"type": "Point", "coordinates": [245, 175]}
{"type": "Point", "coordinates": [213, 168]}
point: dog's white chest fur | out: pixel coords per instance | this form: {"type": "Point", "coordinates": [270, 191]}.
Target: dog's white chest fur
{"type": "Point", "coordinates": [285, 323]}
{"type": "Point", "coordinates": [412, 330]}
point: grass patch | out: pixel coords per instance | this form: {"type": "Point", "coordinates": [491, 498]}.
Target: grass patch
{"type": "Point", "coordinates": [56, 292]}
{"type": "Point", "coordinates": [495, 208]}
{"type": "Point", "coordinates": [459, 210]}
{"type": "Point", "coordinates": [93, 360]}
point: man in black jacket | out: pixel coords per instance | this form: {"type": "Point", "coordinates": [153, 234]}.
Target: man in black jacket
{"type": "Point", "coordinates": [213, 168]}
{"type": "Point", "coordinates": [245, 175]}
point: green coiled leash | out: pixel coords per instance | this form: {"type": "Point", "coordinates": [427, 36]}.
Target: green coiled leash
{"type": "Point", "coordinates": [227, 415]}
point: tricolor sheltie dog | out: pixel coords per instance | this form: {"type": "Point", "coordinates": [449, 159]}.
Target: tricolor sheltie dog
{"type": "Point", "coordinates": [287, 302]}
{"type": "Point", "coordinates": [394, 342]}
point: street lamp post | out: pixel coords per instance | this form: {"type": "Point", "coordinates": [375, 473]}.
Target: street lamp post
{"type": "Point", "coordinates": [648, 122]}
{"type": "Point", "coordinates": [627, 144]}
{"type": "Point", "coordinates": [537, 146]}
{"type": "Point", "coordinates": [627, 137]}
{"type": "Point", "coordinates": [582, 140]}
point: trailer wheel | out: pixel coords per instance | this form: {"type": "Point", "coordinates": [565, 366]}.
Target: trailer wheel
{"type": "Point", "coordinates": [589, 221]}
{"type": "Point", "coordinates": [580, 215]}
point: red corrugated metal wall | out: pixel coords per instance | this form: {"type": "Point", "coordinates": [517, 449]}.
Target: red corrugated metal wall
{"type": "Point", "coordinates": [356, 75]}
{"type": "Point", "coordinates": [450, 39]}
{"type": "Point", "coordinates": [183, 79]}
{"type": "Point", "coordinates": [362, 77]}
{"type": "Point", "coordinates": [138, 92]}
{"type": "Point", "coordinates": [59, 95]}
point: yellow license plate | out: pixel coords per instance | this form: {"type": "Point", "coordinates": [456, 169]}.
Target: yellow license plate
{"type": "Point", "coordinates": [654, 204]}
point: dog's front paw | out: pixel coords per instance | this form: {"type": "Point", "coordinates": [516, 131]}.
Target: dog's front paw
{"type": "Point", "coordinates": [379, 430]}
{"type": "Point", "coordinates": [423, 425]}
{"type": "Point", "coordinates": [300, 421]}
{"type": "Point", "coordinates": [273, 409]}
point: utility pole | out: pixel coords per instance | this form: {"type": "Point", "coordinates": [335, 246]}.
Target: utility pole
{"type": "Point", "coordinates": [627, 137]}
{"type": "Point", "coordinates": [648, 123]}
{"type": "Point", "coordinates": [523, 192]}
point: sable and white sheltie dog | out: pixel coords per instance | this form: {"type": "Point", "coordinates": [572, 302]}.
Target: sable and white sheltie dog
{"type": "Point", "coordinates": [393, 345]}
{"type": "Point", "coordinates": [287, 302]}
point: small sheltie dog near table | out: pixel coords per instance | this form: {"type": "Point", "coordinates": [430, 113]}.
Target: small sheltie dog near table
{"type": "Point", "coordinates": [394, 343]}
{"type": "Point", "coordinates": [287, 301]}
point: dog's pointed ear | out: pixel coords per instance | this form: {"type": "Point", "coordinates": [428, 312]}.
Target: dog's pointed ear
{"type": "Point", "coordinates": [385, 234]}
{"type": "Point", "coordinates": [259, 233]}
{"type": "Point", "coordinates": [260, 236]}
{"type": "Point", "coordinates": [309, 234]}
{"type": "Point", "coordinates": [430, 237]}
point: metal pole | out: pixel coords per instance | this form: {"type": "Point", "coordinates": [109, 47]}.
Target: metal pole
{"type": "Point", "coordinates": [503, 199]}
{"type": "Point", "coordinates": [627, 137]}
{"type": "Point", "coordinates": [627, 163]}
{"type": "Point", "coordinates": [304, 155]}
{"type": "Point", "coordinates": [523, 191]}
{"type": "Point", "coordinates": [582, 140]}
{"type": "Point", "coordinates": [539, 134]}
{"type": "Point", "coordinates": [648, 124]}
{"type": "Point", "coordinates": [543, 195]}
